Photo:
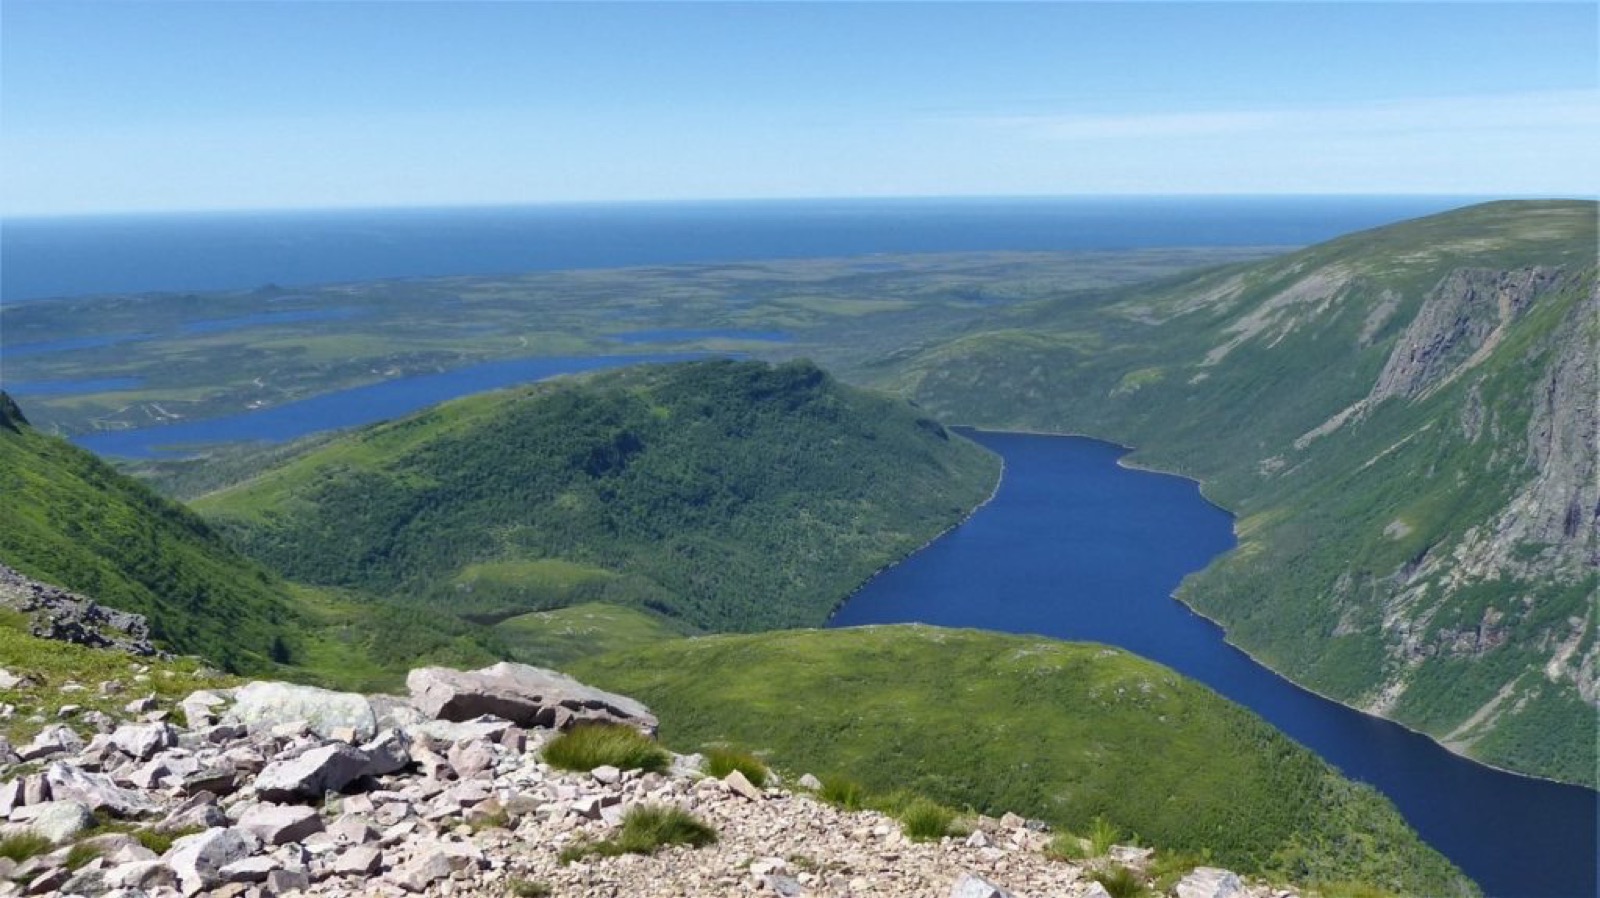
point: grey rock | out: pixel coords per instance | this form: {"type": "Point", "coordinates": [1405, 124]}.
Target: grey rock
{"type": "Point", "coordinates": [142, 741]}
{"type": "Point", "coordinates": [200, 708]}
{"type": "Point", "coordinates": [1096, 890]}
{"type": "Point", "coordinates": [970, 886]}
{"type": "Point", "coordinates": [276, 824]}
{"type": "Point", "coordinates": [197, 860]}
{"type": "Point", "coordinates": [1209, 882]}
{"type": "Point", "coordinates": [428, 867]}
{"type": "Point", "coordinates": [9, 680]}
{"type": "Point", "coordinates": [282, 881]}
{"type": "Point", "coordinates": [48, 882]}
{"type": "Point", "coordinates": [810, 783]}
{"type": "Point", "coordinates": [152, 874]}
{"type": "Point", "coordinates": [196, 811]}
{"type": "Point", "coordinates": [52, 740]}
{"type": "Point", "coordinates": [524, 695]}
{"type": "Point", "coordinates": [262, 705]}
{"type": "Point", "coordinates": [250, 869]}
{"type": "Point", "coordinates": [362, 860]}
{"type": "Point", "coordinates": [97, 791]}
{"type": "Point", "coordinates": [55, 613]}
{"type": "Point", "coordinates": [470, 758]}
{"type": "Point", "coordinates": [388, 752]}
{"type": "Point", "coordinates": [606, 774]}
{"type": "Point", "coordinates": [312, 774]}
{"type": "Point", "coordinates": [11, 796]}
{"type": "Point", "coordinates": [219, 780]}
{"type": "Point", "coordinates": [353, 829]}
{"type": "Point", "coordinates": [739, 783]}
{"type": "Point", "coordinates": [60, 821]}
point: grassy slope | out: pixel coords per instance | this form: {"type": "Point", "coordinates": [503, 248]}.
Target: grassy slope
{"type": "Point", "coordinates": [730, 495]}
{"type": "Point", "coordinates": [72, 520]}
{"type": "Point", "coordinates": [1058, 730]}
{"type": "Point", "coordinates": [1307, 588]}
{"type": "Point", "coordinates": [560, 637]}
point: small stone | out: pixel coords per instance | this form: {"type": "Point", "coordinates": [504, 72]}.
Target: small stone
{"type": "Point", "coordinates": [363, 860]}
{"type": "Point", "coordinates": [971, 886]}
{"type": "Point", "coordinates": [1209, 882]}
{"type": "Point", "coordinates": [810, 783]}
{"type": "Point", "coordinates": [198, 859]}
{"type": "Point", "coordinates": [311, 775]}
{"type": "Point", "coordinates": [427, 868]}
{"type": "Point", "coordinates": [606, 774]}
{"type": "Point", "coordinates": [60, 821]}
{"type": "Point", "coordinates": [739, 783]}
{"type": "Point", "coordinates": [250, 869]}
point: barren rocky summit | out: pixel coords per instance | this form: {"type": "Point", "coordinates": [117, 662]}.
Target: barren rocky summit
{"type": "Point", "coordinates": [276, 789]}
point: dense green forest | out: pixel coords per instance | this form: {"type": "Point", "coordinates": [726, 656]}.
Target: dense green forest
{"type": "Point", "coordinates": [1063, 731]}
{"type": "Point", "coordinates": [726, 495]}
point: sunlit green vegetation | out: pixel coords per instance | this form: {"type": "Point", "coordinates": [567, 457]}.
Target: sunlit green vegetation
{"type": "Point", "coordinates": [1065, 732]}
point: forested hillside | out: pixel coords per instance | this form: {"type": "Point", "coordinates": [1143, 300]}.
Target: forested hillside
{"type": "Point", "coordinates": [727, 495]}
{"type": "Point", "coordinates": [1403, 419]}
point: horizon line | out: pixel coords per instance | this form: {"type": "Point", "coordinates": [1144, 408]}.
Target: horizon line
{"type": "Point", "coordinates": [734, 201]}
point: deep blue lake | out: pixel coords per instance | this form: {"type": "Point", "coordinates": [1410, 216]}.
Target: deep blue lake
{"type": "Point", "coordinates": [1076, 547]}
{"type": "Point", "coordinates": [49, 257]}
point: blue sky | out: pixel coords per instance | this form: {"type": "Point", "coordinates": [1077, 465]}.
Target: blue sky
{"type": "Point", "coordinates": [132, 106]}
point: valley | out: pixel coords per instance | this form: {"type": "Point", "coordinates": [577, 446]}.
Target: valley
{"type": "Point", "coordinates": [1398, 418]}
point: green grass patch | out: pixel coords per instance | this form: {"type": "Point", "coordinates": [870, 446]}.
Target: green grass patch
{"type": "Point", "coordinates": [587, 746]}
{"type": "Point", "coordinates": [722, 760]}
{"type": "Point", "coordinates": [646, 828]}
{"type": "Point", "coordinates": [953, 715]}
{"type": "Point", "coordinates": [22, 846]}
{"type": "Point", "coordinates": [1121, 882]}
{"type": "Point", "coordinates": [557, 638]}
{"type": "Point", "coordinates": [925, 821]}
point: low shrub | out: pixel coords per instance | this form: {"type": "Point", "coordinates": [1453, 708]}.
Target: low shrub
{"type": "Point", "coordinates": [583, 748]}
{"type": "Point", "coordinates": [721, 761]}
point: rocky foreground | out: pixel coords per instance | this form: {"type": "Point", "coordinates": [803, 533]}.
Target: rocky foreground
{"type": "Point", "coordinates": [273, 789]}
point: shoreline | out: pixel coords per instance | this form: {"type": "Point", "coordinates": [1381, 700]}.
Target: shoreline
{"type": "Point", "coordinates": [1123, 462]}
{"type": "Point", "coordinates": [999, 480]}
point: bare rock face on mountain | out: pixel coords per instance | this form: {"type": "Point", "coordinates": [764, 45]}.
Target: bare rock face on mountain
{"type": "Point", "coordinates": [1462, 321]}
{"type": "Point", "coordinates": [55, 613]}
{"type": "Point", "coordinates": [524, 695]}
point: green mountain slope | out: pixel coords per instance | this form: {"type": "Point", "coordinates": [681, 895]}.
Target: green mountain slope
{"type": "Point", "coordinates": [729, 495]}
{"type": "Point", "coordinates": [71, 520]}
{"type": "Point", "coordinates": [1058, 730]}
{"type": "Point", "coordinates": [1404, 420]}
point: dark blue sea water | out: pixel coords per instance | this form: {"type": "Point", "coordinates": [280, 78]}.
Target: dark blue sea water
{"type": "Point", "coordinates": [1076, 547]}
{"type": "Point", "coordinates": [128, 254]}
{"type": "Point", "coordinates": [349, 408]}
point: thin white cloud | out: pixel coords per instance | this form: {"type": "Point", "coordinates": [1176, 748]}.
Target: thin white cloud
{"type": "Point", "coordinates": [1565, 111]}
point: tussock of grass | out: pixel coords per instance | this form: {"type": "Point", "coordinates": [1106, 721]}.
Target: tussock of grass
{"type": "Point", "coordinates": [1067, 847]}
{"type": "Point", "coordinates": [160, 842]}
{"type": "Point", "coordinates": [583, 748]}
{"type": "Point", "coordinates": [525, 888]}
{"type": "Point", "coordinates": [1102, 835]}
{"type": "Point", "coordinates": [722, 760]}
{"type": "Point", "coordinates": [843, 792]}
{"type": "Point", "coordinates": [923, 820]}
{"type": "Point", "coordinates": [22, 846]}
{"type": "Point", "coordinates": [1121, 882]}
{"type": "Point", "coordinates": [644, 829]}
{"type": "Point", "coordinates": [81, 854]}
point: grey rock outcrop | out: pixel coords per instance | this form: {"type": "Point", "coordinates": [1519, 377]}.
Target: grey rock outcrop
{"type": "Point", "coordinates": [267, 704]}
{"type": "Point", "coordinates": [55, 613]}
{"type": "Point", "coordinates": [1210, 882]}
{"type": "Point", "coordinates": [526, 696]}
